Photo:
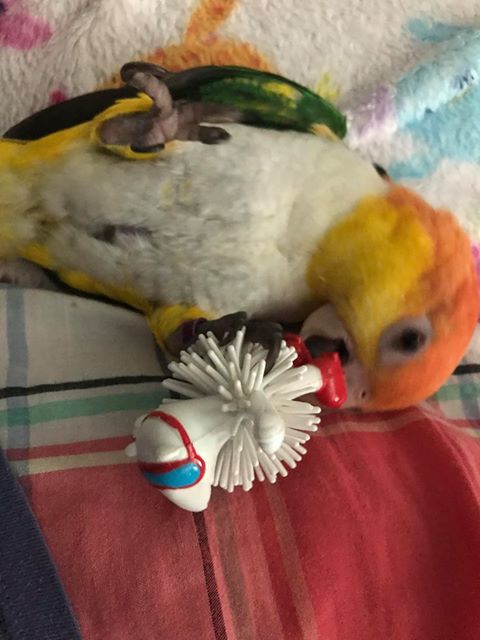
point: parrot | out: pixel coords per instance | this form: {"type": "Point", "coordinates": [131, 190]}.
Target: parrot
{"type": "Point", "coordinates": [225, 198]}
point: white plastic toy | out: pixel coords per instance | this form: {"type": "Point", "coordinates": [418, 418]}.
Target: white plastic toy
{"type": "Point", "coordinates": [232, 423]}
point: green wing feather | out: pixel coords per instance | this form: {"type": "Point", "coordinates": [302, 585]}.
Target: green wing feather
{"type": "Point", "coordinates": [266, 99]}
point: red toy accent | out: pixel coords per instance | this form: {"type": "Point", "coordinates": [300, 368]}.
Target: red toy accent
{"type": "Point", "coordinates": [163, 467]}
{"type": "Point", "coordinates": [333, 394]}
{"type": "Point", "coordinates": [303, 354]}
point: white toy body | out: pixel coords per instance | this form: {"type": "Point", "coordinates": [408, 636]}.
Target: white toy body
{"type": "Point", "coordinates": [208, 428]}
{"type": "Point", "coordinates": [234, 424]}
{"type": "Point", "coordinates": [220, 227]}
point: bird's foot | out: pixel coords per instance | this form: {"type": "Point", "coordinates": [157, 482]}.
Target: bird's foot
{"type": "Point", "coordinates": [149, 131]}
{"type": "Point", "coordinates": [268, 334]}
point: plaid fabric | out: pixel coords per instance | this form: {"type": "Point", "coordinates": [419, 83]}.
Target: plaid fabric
{"type": "Point", "coordinates": [376, 534]}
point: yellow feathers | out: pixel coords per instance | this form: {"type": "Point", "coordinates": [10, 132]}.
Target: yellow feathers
{"type": "Point", "coordinates": [38, 255]}
{"type": "Point", "coordinates": [374, 257]}
{"type": "Point", "coordinates": [282, 89]}
{"type": "Point", "coordinates": [81, 281]}
{"type": "Point", "coordinates": [120, 108]}
{"type": "Point", "coordinates": [19, 218]}
{"type": "Point", "coordinates": [22, 219]}
{"type": "Point", "coordinates": [18, 155]}
{"type": "Point", "coordinates": [163, 321]}
{"type": "Point", "coordinates": [324, 131]}
{"type": "Point", "coordinates": [393, 258]}
{"type": "Point", "coordinates": [327, 88]}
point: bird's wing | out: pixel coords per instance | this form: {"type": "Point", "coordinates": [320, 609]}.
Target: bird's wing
{"type": "Point", "coordinates": [265, 99]}
{"type": "Point", "coordinates": [67, 114]}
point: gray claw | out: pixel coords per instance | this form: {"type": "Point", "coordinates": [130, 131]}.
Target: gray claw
{"type": "Point", "coordinates": [146, 131]}
{"type": "Point", "coordinates": [131, 68]}
{"type": "Point", "coordinates": [225, 328]}
{"type": "Point", "coordinates": [269, 335]}
{"type": "Point", "coordinates": [263, 332]}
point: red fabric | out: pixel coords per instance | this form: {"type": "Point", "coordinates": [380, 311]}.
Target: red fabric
{"type": "Point", "coordinates": [375, 535]}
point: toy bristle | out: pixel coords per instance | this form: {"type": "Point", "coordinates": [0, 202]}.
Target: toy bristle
{"type": "Point", "coordinates": [234, 373]}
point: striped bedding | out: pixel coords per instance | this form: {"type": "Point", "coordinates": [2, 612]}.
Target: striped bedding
{"type": "Point", "coordinates": [376, 534]}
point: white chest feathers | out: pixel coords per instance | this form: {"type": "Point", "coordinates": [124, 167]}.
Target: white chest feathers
{"type": "Point", "coordinates": [225, 227]}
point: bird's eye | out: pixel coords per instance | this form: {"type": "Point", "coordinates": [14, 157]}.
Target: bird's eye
{"type": "Point", "coordinates": [405, 339]}
{"type": "Point", "coordinates": [410, 340]}
{"type": "Point", "coordinates": [381, 171]}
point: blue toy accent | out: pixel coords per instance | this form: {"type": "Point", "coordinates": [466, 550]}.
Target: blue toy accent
{"type": "Point", "coordinates": [185, 476]}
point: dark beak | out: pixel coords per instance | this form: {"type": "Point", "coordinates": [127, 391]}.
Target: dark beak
{"type": "Point", "coordinates": [318, 345]}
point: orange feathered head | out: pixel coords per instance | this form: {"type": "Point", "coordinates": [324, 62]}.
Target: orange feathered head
{"type": "Point", "coordinates": [398, 287]}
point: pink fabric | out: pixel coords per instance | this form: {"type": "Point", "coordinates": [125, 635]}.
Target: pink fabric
{"type": "Point", "coordinates": [19, 29]}
{"type": "Point", "coordinates": [376, 534]}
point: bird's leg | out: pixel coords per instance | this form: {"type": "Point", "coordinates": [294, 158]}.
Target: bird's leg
{"type": "Point", "coordinates": [147, 131]}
